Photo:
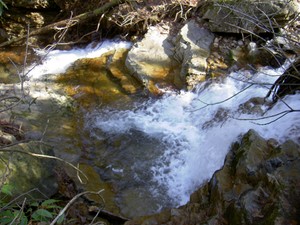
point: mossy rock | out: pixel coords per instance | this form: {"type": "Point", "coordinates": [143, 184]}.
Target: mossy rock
{"type": "Point", "coordinates": [25, 172]}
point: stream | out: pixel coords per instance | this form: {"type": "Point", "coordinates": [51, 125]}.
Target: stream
{"type": "Point", "coordinates": [156, 151]}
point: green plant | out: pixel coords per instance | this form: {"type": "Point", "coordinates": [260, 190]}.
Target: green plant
{"type": "Point", "coordinates": [2, 6]}
{"type": "Point", "coordinates": [36, 211]}
{"type": "Point", "coordinates": [44, 211]}
{"type": "Point", "coordinates": [10, 214]}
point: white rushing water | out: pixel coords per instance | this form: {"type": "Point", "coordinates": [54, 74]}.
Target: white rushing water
{"type": "Point", "coordinates": [195, 128]}
{"type": "Point", "coordinates": [57, 61]}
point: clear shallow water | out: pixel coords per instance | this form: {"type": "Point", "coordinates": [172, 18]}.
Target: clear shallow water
{"type": "Point", "coordinates": [156, 152]}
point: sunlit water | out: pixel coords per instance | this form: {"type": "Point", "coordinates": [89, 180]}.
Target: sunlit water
{"type": "Point", "coordinates": [161, 150]}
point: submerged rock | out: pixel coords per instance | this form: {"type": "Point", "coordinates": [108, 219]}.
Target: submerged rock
{"type": "Point", "coordinates": [10, 60]}
{"type": "Point", "coordinates": [89, 83]}
{"type": "Point", "coordinates": [93, 183]}
{"type": "Point", "coordinates": [116, 66]}
{"type": "Point", "coordinates": [100, 80]}
{"type": "Point", "coordinates": [258, 184]}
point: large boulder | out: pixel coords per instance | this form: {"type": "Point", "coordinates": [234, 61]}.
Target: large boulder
{"type": "Point", "coordinates": [160, 58]}
{"type": "Point", "coordinates": [258, 184]}
{"type": "Point", "coordinates": [150, 60]}
{"type": "Point", "coordinates": [249, 15]}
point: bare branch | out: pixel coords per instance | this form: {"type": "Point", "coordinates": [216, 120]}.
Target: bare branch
{"type": "Point", "coordinates": [43, 156]}
{"type": "Point", "coordinates": [20, 196]}
{"type": "Point", "coordinates": [72, 201]}
{"type": "Point", "coordinates": [17, 217]}
{"type": "Point", "coordinates": [277, 115]}
{"type": "Point", "coordinates": [216, 103]}
{"type": "Point", "coordinates": [12, 105]}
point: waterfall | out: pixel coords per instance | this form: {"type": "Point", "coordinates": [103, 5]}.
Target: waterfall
{"type": "Point", "coordinates": [171, 145]}
{"type": "Point", "coordinates": [197, 128]}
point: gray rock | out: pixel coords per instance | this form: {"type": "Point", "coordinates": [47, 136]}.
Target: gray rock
{"type": "Point", "coordinates": [150, 58]}
{"type": "Point", "coordinates": [160, 58]}
{"type": "Point", "coordinates": [193, 48]}
{"type": "Point", "coordinates": [249, 15]}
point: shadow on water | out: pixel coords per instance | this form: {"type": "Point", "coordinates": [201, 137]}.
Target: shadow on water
{"type": "Point", "coordinates": [116, 163]}
{"type": "Point", "coordinates": [90, 118]}
{"type": "Point", "coordinates": [122, 160]}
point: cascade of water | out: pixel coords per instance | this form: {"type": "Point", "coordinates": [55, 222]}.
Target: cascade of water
{"type": "Point", "coordinates": [57, 61]}
{"type": "Point", "coordinates": [197, 128]}
{"type": "Point", "coordinates": [172, 144]}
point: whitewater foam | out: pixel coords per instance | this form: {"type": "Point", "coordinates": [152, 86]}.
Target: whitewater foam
{"type": "Point", "coordinates": [194, 129]}
{"type": "Point", "coordinates": [57, 61]}
{"type": "Point", "coordinates": [194, 150]}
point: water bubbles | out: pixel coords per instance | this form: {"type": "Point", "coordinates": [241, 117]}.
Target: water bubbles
{"type": "Point", "coordinates": [190, 151]}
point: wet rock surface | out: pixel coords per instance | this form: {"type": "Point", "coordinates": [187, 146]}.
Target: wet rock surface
{"type": "Point", "coordinates": [99, 80]}
{"type": "Point", "coordinates": [179, 61]}
{"type": "Point", "coordinates": [150, 60]}
{"type": "Point", "coordinates": [258, 184]}
{"type": "Point", "coordinates": [116, 66]}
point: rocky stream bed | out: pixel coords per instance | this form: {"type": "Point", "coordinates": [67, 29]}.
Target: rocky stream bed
{"type": "Point", "coordinates": [163, 124]}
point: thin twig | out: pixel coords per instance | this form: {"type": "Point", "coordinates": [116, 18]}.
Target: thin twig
{"type": "Point", "coordinates": [278, 115]}
{"type": "Point", "coordinates": [216, 103]}
{"type": "Point", "coordinates": [11, 106]}
{"type": "Point", "coordinates": [22, 195]}
{"type": "Point", "coordinates": [72, 201]}
{"type": "Point", "coordinates": [26, 53]}
{"type": "Point", "coordinates": [78, 41]}
{"type": "Point", "coordinates": [43, 156]}
{"type": "Point", "coordinates": [17, 217]}
{"type": "Point", "coordinates": [80, 17]}
{"type": "Point", "coordinates": [98, 212]}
